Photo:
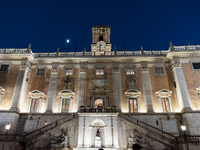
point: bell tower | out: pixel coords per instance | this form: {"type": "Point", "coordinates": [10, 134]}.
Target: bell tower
{"type": "Point", "coordinates": [101, 39]}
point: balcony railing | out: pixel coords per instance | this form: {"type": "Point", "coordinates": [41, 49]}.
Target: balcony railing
{"type": "Point", "coordinates": [97, 110]}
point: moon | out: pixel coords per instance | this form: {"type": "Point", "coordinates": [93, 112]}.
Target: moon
{"type": "Point", "coordinates": [67, 40]}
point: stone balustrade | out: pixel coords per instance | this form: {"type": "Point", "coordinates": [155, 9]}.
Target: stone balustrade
{"type": "Point", "coordinates": [112, 53]}
{"type": "Point", "coordinates": [97, 110]}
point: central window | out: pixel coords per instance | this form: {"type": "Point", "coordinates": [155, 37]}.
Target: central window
{"type": "Point", "coordinates": [69, 71]}
{"type": "Point", "coordinates": [99, 71]}
{"type": "Point", "coordinates": [133, 105]}
{"type": "Point", "coordinates": [65, 105]}
{"type": "Point", "coordinates": [165, 105]}
{"type": "Point", "coordinates": [130, 71]}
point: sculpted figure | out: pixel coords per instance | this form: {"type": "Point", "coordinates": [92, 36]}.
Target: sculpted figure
{"type": "Point", "coordinates": [59, 141]}
{"type": "Point", "coordinates": [98, 133]}
{"type": "Point", "coordinates": [133, 140]}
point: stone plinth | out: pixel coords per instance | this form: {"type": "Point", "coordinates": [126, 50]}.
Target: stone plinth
{"type": "Point", "coordinates": [97, 141]}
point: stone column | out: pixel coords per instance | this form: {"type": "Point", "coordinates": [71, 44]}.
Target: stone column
{"type": "Point", "coordinates": [51, 95]}
{"type": "Point", "coordinates": [19, 90]}
{"type": "Point", "coordinates": [181, 87]}
{"type": "Point", "coordinates": [108, 132]}
{"type": "Point", "coordinates": [115, 132]}
{"type": "Point", "coordinates": [81, 128]}
{"type": "Point", "coordinates": [147, 89]}
{"type": "Point", "coordinates": [82, 82]}
{"type": "Point", "coordinates": [117, 88]}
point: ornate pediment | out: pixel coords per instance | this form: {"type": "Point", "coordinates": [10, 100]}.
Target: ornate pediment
{"type": "Point", "coordinates": [132, 92]}
{"type": "Point", "coordinates": [66, 93]}
{"type": "Point", "coordinates": [35, 93]}
{"type": "Point", "coordinates": [164, 92]}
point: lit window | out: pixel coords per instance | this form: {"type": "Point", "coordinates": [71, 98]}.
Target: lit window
{"type": "Point", "coordinates": [130, 71]}
{"type": "Point", "coordinates": [99, 71]}
{"type": "Point", "coordinates": [4, 68]}
{"type": "Point", "coordinates": [133, 105]}
{"type": "Point", "coordinates": [68, 71]}
{"type": "Point", "coordinates": [165, 105]}
{"type": "Point", "coordinates": [34, 105]}
{"type": "Point", "coordinates": [196, 65]}
{"type": "Point", "coordinates": [159, 70]}
{"type": "Point", "coordinates": [65, 105]}
{"type": "Point", "coordinates": [41, 72]}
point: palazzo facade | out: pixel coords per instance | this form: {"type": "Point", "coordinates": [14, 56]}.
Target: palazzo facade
{"type": "Point", "coordinates": [103, 98]}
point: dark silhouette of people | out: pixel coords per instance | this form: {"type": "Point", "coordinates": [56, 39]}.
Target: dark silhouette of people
{"type": "Point", "coordinates": [20, 146]}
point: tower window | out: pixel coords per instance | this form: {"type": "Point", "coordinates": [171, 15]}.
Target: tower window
{"type": "Point", "coordinates": [4, 68]}
{"type": "Point", "coordinates": [101, 38]}
{"type": "Point", "coordinates": [130, 71]}
{"type": "Point", "coordinates": [41, 72]}
{"type": "Point", "coordinates": [69, 71]}
{"type": "Point", "coordinates": [159, 70]}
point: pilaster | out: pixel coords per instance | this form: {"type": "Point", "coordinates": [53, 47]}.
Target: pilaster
{"type": "Point", "coordinates": [147, 89]}
{"type": "Point", "coordinates": [81, 128]}
{"type": "Point", "coordinates": [19, 90]}
{"type": "Point", "coordinates": [181, 87]}
{"type": "Point", "coordinates": [117, 88]}
{"type": "Point", "coordinates": [115, 132]}
{"type": "Point", "coordinates": [51, 95]}
{"type": "Point", "coordinates": [82, 82]}
{"type": "Point", "coordinates": [108, 132]}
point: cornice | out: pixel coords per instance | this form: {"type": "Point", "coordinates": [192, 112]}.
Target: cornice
{"type": "Point", "coordinates": [101, 59]}
{"type": "Point", "coordinates": [17, 56]}
{"type": "Point", "coordinates": [182, 54]}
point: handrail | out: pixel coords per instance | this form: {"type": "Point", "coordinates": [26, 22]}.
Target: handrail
{"type": "Point", "coordinates": [97, 110]}
{"type": "Point", "coordinates": [11, 137]}
{"type": "Point", "coordinates": [171, 139]}
{"type": "Point", "coordinates": [189, 139]}
{"type": "Point", "coordinates": [50, 126]}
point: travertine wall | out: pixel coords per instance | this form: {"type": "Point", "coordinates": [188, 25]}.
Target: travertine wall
{"type": "Point", "coordinates": [192, 81]}
{"type": "Point", "coordinates": [39, 83]}
{"type": "Point", "coordinates": [8, 81]}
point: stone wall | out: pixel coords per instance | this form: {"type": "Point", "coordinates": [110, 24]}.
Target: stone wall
{"type": "Point", "coordinates": [8, 117]}
{"type": "Point", "coordinates": [7, 82]}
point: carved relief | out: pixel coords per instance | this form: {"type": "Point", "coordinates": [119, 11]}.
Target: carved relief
{"type": "Point", "coordinates": [67, 83]}
{"type": "Point", "coordinates": [131, 82]}
{"type": "Point", "coordinates": [55, 69]}
{"type": "Point", "coordinates": [25, 66]}
{"type": "Point", "coordinates": [116, 69]}
{"type": "Point", "coordinates": [83, 69]}
{"type": "Point", "coordinates": [174, 64]}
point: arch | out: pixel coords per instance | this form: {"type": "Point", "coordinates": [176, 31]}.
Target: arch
{"type": "Point", "coordinates": [98, 102]}
{"type": "Point", "coordinates": [103, 97]}
{"type": "Point", "coordinates": [100, 37]}
{"type": "Point", "coordinates": [98, 122]}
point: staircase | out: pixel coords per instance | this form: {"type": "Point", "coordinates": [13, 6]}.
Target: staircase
{"type": "Point", "coordinates": [32, 135]}
{"type": "Point", "coordinates": [154, 133]}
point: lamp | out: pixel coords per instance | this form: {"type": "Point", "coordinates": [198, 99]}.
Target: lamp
{"type": "Point", "coordinates": [184, 129]}
{"type": "Point", "coordinates": [7, 128]}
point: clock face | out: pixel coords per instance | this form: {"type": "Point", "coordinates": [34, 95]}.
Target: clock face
{"type": "Point", "coordinates": [101, 46]}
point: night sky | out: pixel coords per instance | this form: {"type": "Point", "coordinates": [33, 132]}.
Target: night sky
{"type": "Point", "coordinates": [47, 24]}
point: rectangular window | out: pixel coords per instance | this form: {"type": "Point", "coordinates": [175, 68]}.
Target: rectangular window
{"type": "Point", "coordinates": [196, 65]}
{"type": "Point", "coordinates": [4, 68]}
{"type": "Point", "coordinates": [68, 72]}
{"type": "Point", "coordinates": [165, 105]}
{"type": "Point", "coordinates": [41, 72]}
{"type": "Point", "coordinates": [130, 71]}
{"type": "Point", "coordinates": [133, 105]}
{"type": "Point", "coordinates": [99, 71]}
{"type": "Point", "coordinates": [65, 105]}
{"type": "Point", "coordinates": [34, 105]}
{"type": "Point", "coordinates": [159, 70]}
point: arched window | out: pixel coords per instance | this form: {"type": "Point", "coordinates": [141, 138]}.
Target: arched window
{"type": "Point", "coordinates": [66, 97]}
{"type": "Point", "coordinates": [35, 100]}
{"type": "Point", "coordinates": [101, 38]}
{"type": "Point", "coordinates": [98, 102]}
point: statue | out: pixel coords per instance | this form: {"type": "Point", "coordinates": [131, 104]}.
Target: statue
{"type": "Point", "coordinates": [98, 133]}
{"type": "Point", "coordinates": [138, 142]}
{"type": "Point", "coordinates": [59, 141]}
